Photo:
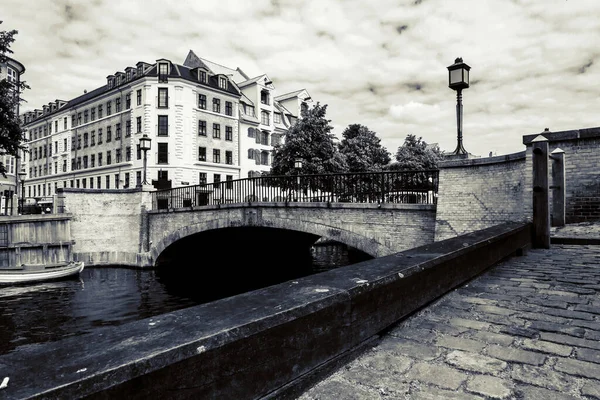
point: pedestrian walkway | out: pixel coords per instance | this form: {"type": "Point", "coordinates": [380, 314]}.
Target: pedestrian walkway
{"type": "Point", "coordinates": [529, 328]}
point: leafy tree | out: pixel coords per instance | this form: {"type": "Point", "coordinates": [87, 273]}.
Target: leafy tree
{"type": "Point", "coordinates": [415, 154]}
{"type": "Point", "coordinates": [310, 140]}
{"type": "Point", "coordinates": [11, 135]}
{"type": "Point", "coordinates": [362, 149]}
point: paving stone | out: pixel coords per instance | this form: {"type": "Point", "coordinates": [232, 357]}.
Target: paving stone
{"type": "Point", "coordinates": [592, 389]}
{"type": "Point", "coordinates": [381, 381]}
{"type": "Point", "coordinates": [492, 338]}
{"type": "Point", "coordinates": [594, 325]}
{"type": "Point", "coordinates": [469, 323]}
{"type": "Point", "coordinates": [336, 388]}
{"type": "Point", "coordinates": [547, 303]}
{"type": "Point", "coordinates": [432, 393]}
{"type": "Point", "coordinates": [517, 331]}
{"type": "Point", "coordinates": [499, 296]}
{"type": "Point", "coordinates": [543, 377]}
{"type": "Point", "coordinates": [516, 355]}
{"type": "Point", "coordinates": [578, 368]}
{"type": "Point", "coordinates": [592, 335]}
{"type": "Point", "coordinates": [571, 300]}
{"type": "Point", "coordinates": [571, 314]}
{"type": "Point", "coordinates": [561, 293]}
{"type": "Point", "coordinates": [495, 310]}
{"type": "Point", "coordinates": [441, 327]}
{"type": "Point", "coordinates": [475, 362]}
{"type": "Point", "coordinates": [438, 375]}
{"type": "Point", "coordinates": [385, 361]}
{"type": "Point", "coordinates": [576, 289]}
{"type": "Point", "coordinates": [547, 347]}
{"type": "Point", "coordinates": [418, 334]}
{"type": "Point", "coordinates": [538, 316]}
{"type": "Point", "coordinates": [489, 386]}
{"type": "Point", "coordinates": [564, 339]}
{"type": "Point", "coordinates": [527, 392]}
{"type": "Point", "coordinates": [588, 355]}
{"type": "Point", "coordinates": [460, 343]}
{"type": "Point", "coordinates": [558, 328]}
{"type": "Point", "coordinates": [477, 300]}
{"type": "Point", "coordinates": [588, 308]}
{"type": "Point", "coordinates": [535, 285]}
{"type": "Point", "coordinates": [409, 348]}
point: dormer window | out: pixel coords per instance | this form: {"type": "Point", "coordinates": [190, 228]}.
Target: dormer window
{"type": "Point", "coordinates": [110, 82]}
{"type": "Point", "coordinates": [128, 75]}
{"type": "Point", "coordinates": [140, 70]}
{"type": "Point", "coordinates": [202, 76]}
{"type": "Point", "coordinates": [163, 71]}
{"type": "Point", "coordinates": [222, 82]}
{"type": "Point", "coordinates": [303, 107]}
{"type": "Point", "coordinates": [264, 97]}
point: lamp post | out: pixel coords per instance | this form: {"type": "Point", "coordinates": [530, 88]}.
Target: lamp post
{"type": "Point", "coordinates": [298, 167]}
{"type": "Point", "coordinates": [145, 142]}
{"type": "Point", "coordinates": [22, 174]}
{"type": "Point", "coordinates": [458, 79]}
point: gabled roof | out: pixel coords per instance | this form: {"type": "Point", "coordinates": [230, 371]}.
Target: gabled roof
{"type": "Point", "coordinates": [256, 79]}
{"type": "Point", "coordinates": [287, 96]}
{"type": "Point", "coordinates": [192, 61]}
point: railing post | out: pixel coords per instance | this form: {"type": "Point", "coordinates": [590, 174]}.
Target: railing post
{"type": "Point", "coordinates": [559, 193]}
{"type": "Point", "coordinates": [541, 205]}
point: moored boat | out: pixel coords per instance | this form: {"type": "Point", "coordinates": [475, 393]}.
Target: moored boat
{"type": "Point", "coordinates": [39, 272]}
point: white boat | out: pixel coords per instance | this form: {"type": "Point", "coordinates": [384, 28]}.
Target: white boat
{"type": "Point", "coordinates": [39, 272]}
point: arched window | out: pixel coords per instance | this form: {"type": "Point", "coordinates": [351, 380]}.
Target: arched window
{"type": "Point", "coordinates": [251, 132]}
{"type": "Point", "coordinates": [250, 154]}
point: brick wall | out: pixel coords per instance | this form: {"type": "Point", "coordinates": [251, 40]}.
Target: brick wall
{"type": "Point", "coordinates": [106, 225]}
{"type": "Point", "coordinates": [582, 170]}
{"type": "Point", "coordinates": [479, 193]}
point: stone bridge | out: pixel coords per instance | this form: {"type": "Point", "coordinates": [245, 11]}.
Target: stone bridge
{"type": "Point", "coordinates": [377, 230]}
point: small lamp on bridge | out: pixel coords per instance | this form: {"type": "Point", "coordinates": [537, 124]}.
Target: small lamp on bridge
{"type": "Point", "coordinates": [145, 142]}
{"type": "Point", "coordinates": [298, 167]}
{"type": "Point", "coordinates": [298, 164]}
{"type": "Point", "coordinates": [22, 174]}
{"type": "Point", "coordinates": [458, 79]}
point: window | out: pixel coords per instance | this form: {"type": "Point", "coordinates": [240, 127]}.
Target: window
{"type": "Point", "coordinates": [201, 153]}
{"type": "Point", "coordinates": [93, 114]}
{"type": "Point", "coordinates": [228, 133]}
{"type": "Point", "coordinates": [222, 82]}
{"type": "Point", "coordinates": [228, 157]}
{"type": "Point", "coordinates": [78, 166]}
{"type": "Point", "coordinates": [85, 117]}
{"type": "Point", "coordinates": [92, 161]}
{"type": "Point", "coordinates": [250, 154]}
{"type": "Point", "coordinates": [138, 178]}
{"type": "Point", "coordinates": [108, 108]}
{"type": "Point", "coordinates": [202, 76]}
{"type": "Point", "coordinates": [108, 157]}
{"type": "Point", "coordinates": [138, 152]}
{"type": "Point", "coordinates": [78, 118]}
{"type": "Point", "coordinates": [126, 183]}
{"type": "Point", "coordinates": [65, 122]}
{"type": "Point", "coordinates": [100, 135]}
{"type": "Point", "coordinates": [64, 168]}
{"type": "Point", "coordinates": [85, 140]}
{"type": "Point", "coordinates": [264, 158]}
{"type": "Point", "coordinates": [216, 131]}
{"type": "Point", "coordinates": [128, 101]}
{"type": "Point", "coordinates": [78, 142]}
{"type": "Point", "coordinates": [93, 138]}
{"type": "Point", "coordinates": [56, 126]}
{"type": "Point", "coordinates": [91, 183]}
{"type": "Point", "coordinates": [216, 156]}
{"type": "Point", "coordinates": [116, 181]}
{"type": "Point", "coordinates": [127, 128]}
{"type": "Point", "coordinates": [99, 112]}
{"type": "Point", "coordinates": [139, 97]}
{"type": "Point", "coordinates": [277, 118]}
{"type": "Point", "coordinates": [99, 161]}
{"type": "Point", "coordinates": [229, 181]}
{"type": "Point", "coordinates": [85, 161]}
{"type": "Point", "coordinates": [138, 122]}
{"type": "Point", "coordinates": [73, 122]}
{"type": "Point", "coordinates": [251, 132]}
{"type": "Point", "coordinates": [163, 125]}
{"type": "Point", "coordinates": [202, 101]}
{"type": "Point", "coordinates": [84, 183]}
{"type": "Point", "coordinates": [99, 182]}
{"type": "Point", "coordinates": [217, 105]}
{"type": "Point", "coordinates": [128, 153]}
{"type": "Point", "coordinates": [163, 153]}
{"type": "Point", "coordinates": [217, 180]}
{"type": "Point", "coordinates": [264, 117]}
{"type": "Point", "coordinates": [65, 144]}
{"type": "Point", "coordinates": [264, 138]}
{"type": "Point", "coordinates": [264, 97]}
{"type": "Point", "coordinates": [117, 131]}
{"type": "Point", "coordinates": [163, 71]}
{"type": "Point", "coordinates": [228, 108]}
{"type": "Point", "coordinates": [108, 181]}
{"type": "Point", "coordinates": [118, 104]}
{"type": "Point", "coordinates": [303, 108]}
{"type": "Point", "coordinates": [118, 156]}
{"type": "Point", "coordinates": [201, 128]}
{"type": "Point", "coordinates": [163, 97]}
{"type": "Point", "coordinates": [202, 178]}
{"type": "Point", "coordinates": [163, 175]}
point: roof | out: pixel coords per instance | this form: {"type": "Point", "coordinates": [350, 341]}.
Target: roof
{"type": "Point", "coordinates": [193, 61]}
{"type": "Point", "coordinates": [16, 63]}
{"type": "Point", "coordinates": [287, 96]}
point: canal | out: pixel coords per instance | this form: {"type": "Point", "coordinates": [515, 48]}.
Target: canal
{"type": "Point", "coordinates": [113, 296]}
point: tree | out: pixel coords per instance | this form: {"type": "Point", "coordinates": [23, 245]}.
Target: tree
{"type": "Point", "coordinates": [362, 149]}
{"type": "Point", "coordinates": [415, 154]}
{"type": "Point", "coordinates": [310, 140]}
{"type": "Point", "coordinates": [11, 134]}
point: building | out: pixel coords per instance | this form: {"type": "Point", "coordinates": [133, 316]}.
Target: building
{"type": "Point", "coordinates": [191, 113]}
{"type": "Point", "coordinates": [10, 70]}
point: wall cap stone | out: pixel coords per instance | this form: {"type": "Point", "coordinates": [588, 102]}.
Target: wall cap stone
{"type": "Point", "coordinates": [472, 162]}
{"type": "Point", "coordinates": [574, 134]}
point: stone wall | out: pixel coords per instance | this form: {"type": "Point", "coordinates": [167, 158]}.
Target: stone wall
{"type": "Point", "coordinates": [106, 225]}
{"type": "Point", "coordinates": [582, 170]}
{"type": "Point", "coordinates": [377, 231]}
{"type": "Point", "coordinates": [482, 192]}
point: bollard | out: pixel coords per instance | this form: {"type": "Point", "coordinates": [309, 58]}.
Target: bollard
{"type": "Point", "coordinates": [541, 205]}
{"type": "Point", "coordinates": [559, 192]}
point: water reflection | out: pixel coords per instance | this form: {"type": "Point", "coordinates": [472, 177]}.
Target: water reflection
{"type": "Point", "coordinates": [113, 296]}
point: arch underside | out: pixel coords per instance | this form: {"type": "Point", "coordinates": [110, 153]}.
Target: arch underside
{"type": "Point", "coordinates": [358, 241]}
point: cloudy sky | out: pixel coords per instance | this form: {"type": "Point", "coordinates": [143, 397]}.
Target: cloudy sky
{"type": "Point", "coordinates": [380, 63]}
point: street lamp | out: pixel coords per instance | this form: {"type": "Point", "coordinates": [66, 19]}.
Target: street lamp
{"type": "Point", "coordinates": [458, 79]}
{"type": "Point", "coordinates": [22, 174]}
{"type": "Point", "coordinates": [145, 146]}
{"type": "Point", "coordinates": [298, 167]}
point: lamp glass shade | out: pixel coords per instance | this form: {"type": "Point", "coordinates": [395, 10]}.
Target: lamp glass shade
{"type": "Point", "coordinates": [466, 76]}
{"type": "Point", "coordinates": [456, 76]}
{"type": "Point", "coordinates": [22, 174]}
{"type": "Point", "coordinates": [298, 164]}
{"type": "Point", "coordinates": [145, 142]}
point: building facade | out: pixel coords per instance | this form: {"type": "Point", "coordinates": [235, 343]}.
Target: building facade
{"type": "Point", "coordinates": [11, 70]}
{"type": "Point", "coordinates": [191, 113]}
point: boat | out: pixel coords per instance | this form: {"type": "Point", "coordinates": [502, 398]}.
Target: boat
{"type": "Point", "coordinates": [40, 272]}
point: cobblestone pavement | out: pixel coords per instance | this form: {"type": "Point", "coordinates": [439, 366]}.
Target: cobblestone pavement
{"type": "Point", "coordinates": [579, 230]}
{"type": "Point", "coordinates": [529, 328]}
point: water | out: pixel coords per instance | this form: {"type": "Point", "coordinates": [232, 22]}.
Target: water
{"type": "Point", "coordinates": [113, 296]}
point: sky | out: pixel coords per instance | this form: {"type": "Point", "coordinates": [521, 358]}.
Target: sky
{"type": "Point", "coordinates": [535, 64]}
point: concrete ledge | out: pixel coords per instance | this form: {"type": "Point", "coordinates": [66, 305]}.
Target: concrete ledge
{"type": "Point", "coordinates": [472, 162]}
{"type": "Point", "coordinates": [35, 217]}
{"type": "Point", "coordinates": [565, 135]}
{"type": "Point", "coordinates": [574, 240]}
{"type": "Point", "coordinates": [252, 345]}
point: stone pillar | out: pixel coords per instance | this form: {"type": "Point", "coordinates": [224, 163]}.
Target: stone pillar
{"type": "Point", "coordinates": [541, 205]}
{"type": "Point", "coordinates": [559, 193]}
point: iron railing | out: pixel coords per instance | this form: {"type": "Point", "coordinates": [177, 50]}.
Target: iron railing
{"type": "Point", "coordinates": [418, 187]}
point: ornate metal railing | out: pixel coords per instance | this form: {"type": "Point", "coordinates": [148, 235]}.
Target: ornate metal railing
{"type": "Point", "coordinates": [418, 187]}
